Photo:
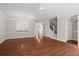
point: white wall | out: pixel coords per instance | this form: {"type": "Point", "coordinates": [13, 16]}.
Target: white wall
{"type": "Point", "coordinates": [61, 28]}
{"type": "Point", "coordinates": [68, 28]}
{"type": "Point", "coordinates": [12, 33]}
{"type": "Point", "coordinates": [48, 32]}
{"type": "Point", "coordinates": [64, 28]}
{"type": "Point", "coordinates": [11, 29]}
{"type": "Point", "coordinates": [74, 27]}
{"type": "Point", "coordinates": [2, 27]}
{"type": "Point", "coordinates": [78, 30]}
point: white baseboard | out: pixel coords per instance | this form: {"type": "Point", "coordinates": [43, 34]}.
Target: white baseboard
{"type": "Point", "coordinates": [2, 38]}
{"type": "Point", "coordinates": [2, 41]}
{"type": "Point", "coordinates": [63, 40]}
{"type": "Point", "coordinates": [51, 37]}
{"type": "Point", "coordinates": [12, 35]}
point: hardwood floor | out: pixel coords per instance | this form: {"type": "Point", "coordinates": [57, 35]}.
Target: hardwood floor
{"type": "Point", "coordinates": [30, 47]}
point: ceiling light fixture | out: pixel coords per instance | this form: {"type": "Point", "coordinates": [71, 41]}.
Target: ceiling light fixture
{"type": "Point", "coordinates": [41, 8]}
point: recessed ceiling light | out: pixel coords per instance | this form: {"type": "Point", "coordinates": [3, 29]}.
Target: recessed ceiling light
{"type": "Point", "coordinates": [41, 8]}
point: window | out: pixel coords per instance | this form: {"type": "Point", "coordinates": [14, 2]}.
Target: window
{"type": "Point", "coordinates": [21, 26]}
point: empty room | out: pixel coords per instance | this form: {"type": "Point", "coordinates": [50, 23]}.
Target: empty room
{"type": "Point", "coordinates": [39, 29]}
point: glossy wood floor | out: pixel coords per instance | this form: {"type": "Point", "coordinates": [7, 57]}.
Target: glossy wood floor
{"type": "Point", "coordinates": [31, 47]}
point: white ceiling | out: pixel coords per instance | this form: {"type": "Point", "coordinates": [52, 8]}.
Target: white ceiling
{"type": "Point", "coordinates": [32, 10]}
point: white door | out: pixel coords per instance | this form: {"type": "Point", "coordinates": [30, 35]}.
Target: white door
{"type": "Point", "coordinates": [39, 31]}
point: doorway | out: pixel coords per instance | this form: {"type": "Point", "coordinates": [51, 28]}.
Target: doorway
{"type": "Point", "coordinates": [74, 30]}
